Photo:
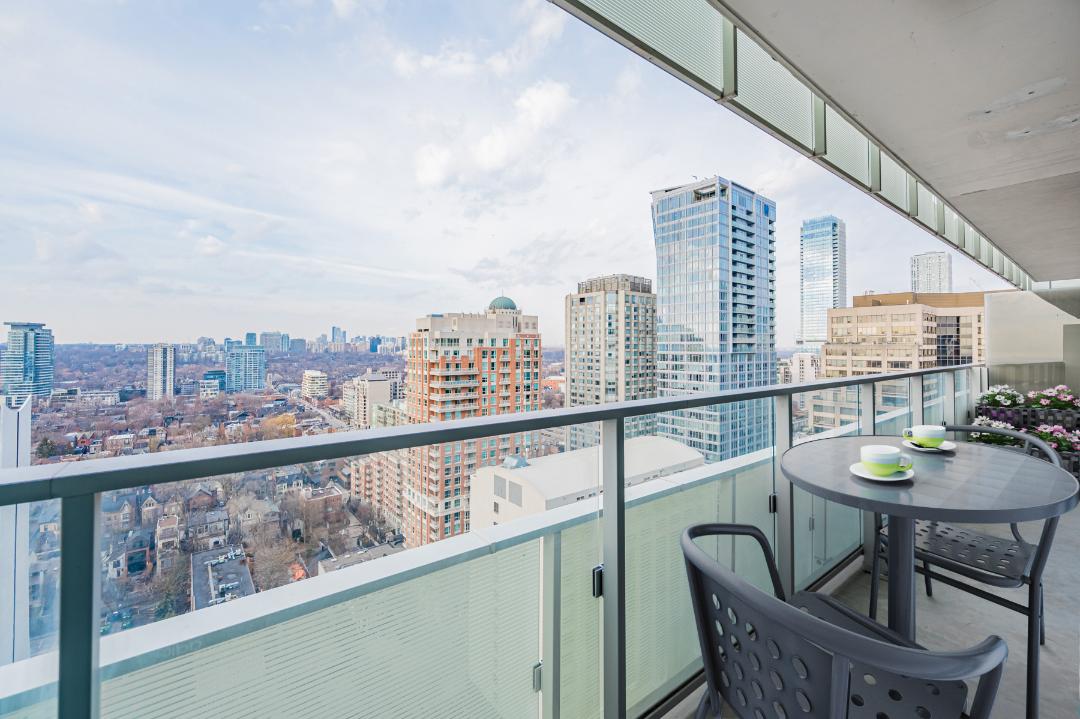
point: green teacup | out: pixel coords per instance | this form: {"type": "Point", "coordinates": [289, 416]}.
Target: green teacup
{"type": "Point", "coordinates": [882, 460]}
{"type": "Point", "coordinates": [925, 435]}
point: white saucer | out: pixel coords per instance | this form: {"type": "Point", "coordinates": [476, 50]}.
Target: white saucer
{"type": "Point", "coordinates": [945, 446]}
{"type": "Point", "coordinates": [858, 471]}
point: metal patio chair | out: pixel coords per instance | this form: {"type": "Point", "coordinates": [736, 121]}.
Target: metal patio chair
{"type": "Point", "coordinates": [986, 558]}
{"type": "Point", "coordinates": [813, 657]}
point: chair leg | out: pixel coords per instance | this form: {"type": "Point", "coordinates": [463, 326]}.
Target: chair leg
{"type": "Point", "coordinates": [875, 577]}
{"type": "Point", "coordinates": [1034, 632]}
{"type": "Point", "coordinates": [926, 576]}
{"type": "Point", "coordinates": [704, 707]}
{"type": "Point", "coordinates": [1042, 615]}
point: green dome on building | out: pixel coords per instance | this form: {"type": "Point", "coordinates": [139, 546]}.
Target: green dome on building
{"type": "Point", "coordinates": [502, 303]}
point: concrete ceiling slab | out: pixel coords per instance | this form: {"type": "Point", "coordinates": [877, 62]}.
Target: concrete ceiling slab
{"type": "Point", "coordinates": [980, 98]}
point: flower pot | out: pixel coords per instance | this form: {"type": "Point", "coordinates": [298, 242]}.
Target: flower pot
{"type": "Point", "coordinates": [1031, 416]}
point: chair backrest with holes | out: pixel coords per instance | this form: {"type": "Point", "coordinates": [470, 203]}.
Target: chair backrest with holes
{"type": "Point", "coordinates": [768, 659]}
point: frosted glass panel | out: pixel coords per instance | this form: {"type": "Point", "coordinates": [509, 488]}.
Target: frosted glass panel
{"type": "Point", "coordinates": [927, 207]}
{"type": "Point", "coordinates": [662, 649]}
{"type": "Point", "coordinates": [580, 663]}
{"type": "Point", "coordinates": [952, 227]}
{"type": "Point", "coordinates": [768, 90]}
{"type": "Point", "coordinates": [689, 33]}
{"type": "Point", "coordinates": [459, 641]}
{"type": "Point", "coordinates": [934, 399]}
{"type": "Point", "coordinates": [894, 182]}
{"type": "Point", "coordinates": [962, 400]}
{"type": "Point", "coordinates": [847, 148]}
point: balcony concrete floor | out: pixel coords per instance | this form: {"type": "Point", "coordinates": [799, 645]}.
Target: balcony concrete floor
{"type": "Point", "coordinates": [953, 619]}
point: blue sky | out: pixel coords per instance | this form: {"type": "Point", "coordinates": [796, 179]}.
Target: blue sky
{"type": "Point", "coordinates": [170, 170]}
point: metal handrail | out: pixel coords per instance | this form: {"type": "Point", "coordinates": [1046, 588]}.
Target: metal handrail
{"type": "Point", "coordinates": [70, 479]}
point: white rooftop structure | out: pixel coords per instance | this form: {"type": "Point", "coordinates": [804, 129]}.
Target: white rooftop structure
{"type": "Point", "coordinates": [520, 487]}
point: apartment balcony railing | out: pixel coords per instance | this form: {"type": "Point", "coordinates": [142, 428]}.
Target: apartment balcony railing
{"type": "Point", "coordinates": [500, 621]}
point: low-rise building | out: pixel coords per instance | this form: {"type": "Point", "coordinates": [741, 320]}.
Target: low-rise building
{"type": "Point", "coordinates": [117, 513]}
{"type": "Point", "coordinates": [150, 511]}
{"type": "Point", "coordinates": [218, 576]}
{"type": "Point", "coordinates": [207, 529]}
{"type": "Point", "coordinates": [520, 487]}
{"type": "Point", "coordinates": [167, 534]}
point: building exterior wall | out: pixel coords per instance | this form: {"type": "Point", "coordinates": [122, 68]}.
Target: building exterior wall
{"type": "Point", "coordinates": [27, 362]}
{"type": "Point", "coordinates": [314, 384]}
{"type": "Point", "coordinates": [931, 272]}
{"type": "Point", "coordinates": [245, 369]}
{"type": "Point", "coordinates": [465, 365]}
{"type": "Point", "coordinates": [360, 396]}
{"type": "Point", "coordinates": [715, 265]}
{"type": "Point", "coordinates": [160, 371]}
{"type": "Point", "coordinates": [896, 333]}
{"type": "Point", "coordinates": [822, 276]}
{"type": "Point", "coordinates": [610, 350]}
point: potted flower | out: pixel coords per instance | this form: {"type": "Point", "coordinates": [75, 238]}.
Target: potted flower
{"type": "Point", "coordinates": [1065, 441]}
{"type": "Point", "coordinates": [1051, 406]}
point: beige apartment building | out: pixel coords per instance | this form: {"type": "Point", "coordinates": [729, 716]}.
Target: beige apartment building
{"type": "Point", "coordinates": [360, 395]}
{"type": "Point", "coordinates": [465, 365]}
{"type": "Point", "coordinates": [895, 332]}
{"type": "Point", "coordinates": [610, 350]}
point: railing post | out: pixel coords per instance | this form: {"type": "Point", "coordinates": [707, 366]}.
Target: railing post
{"type": "Point", "coordinates": [785, 494]}
{"type": "Point", "coordinates": [80, 607]}
{"type": "Point", "coordinates": [868, 426]}
{"type": "Point", "coordinates": [612, 474]}
{"type": "Point", "coordinates": [974, 386]}
{"type": "Point", "coordinates": [948, 390]}
{"type": "Point", "coordinates": [916, 399]}
{"type": "Point", "coordinates": [551, 649]}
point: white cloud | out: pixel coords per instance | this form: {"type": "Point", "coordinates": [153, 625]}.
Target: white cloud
{"type": "Point", "coordinates": [544, 25]}
{"type": "Point", "coordinates": [536, 109]}
{"type": "Point", "coordinates": [209, 246]}
{"type": "Point", "coordinates": [432, 163]}
{"type": "Point", "coordinates": [343, 8]}
{"type": "Point", "coordinates": [448, 62]}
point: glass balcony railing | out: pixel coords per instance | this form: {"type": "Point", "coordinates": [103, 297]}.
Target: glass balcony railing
{"type": "Point", "coordinates": [546, 605]}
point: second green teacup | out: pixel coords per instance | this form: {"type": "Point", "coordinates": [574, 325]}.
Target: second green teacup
{"type": "Point", "coordinates": [925, 435]}
{"type": "Point", "coordinates": [883, 460]}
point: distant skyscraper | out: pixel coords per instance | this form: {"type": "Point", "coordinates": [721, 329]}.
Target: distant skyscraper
{"type": "Point", "coordinates": [245, 369]}
{"type": "Point", "coordinates": [822, 277]}
{"type": "Point", "coordinates": [27, 363]}
{"type": "Point", "coordinates": [465, 365]}
{"type": "Point", "coordinates": [250, 339]}
{"type": "Point", "coordinates": [610, 350]}
{"type": "Point", "coordinates": [274, 342]}
{"type": "Point", "coordinates": [338, 335]}
{"type": "Point", "coordinates": [314, 384]}
{"type": "Point", "coordinates": [160, 371]}
{"type": "Point", "coordinates": [715, 311]}
{"type": "Point", "coordinates": [931, 272]}
{"type": "Point", "coordinates": [297, 346]}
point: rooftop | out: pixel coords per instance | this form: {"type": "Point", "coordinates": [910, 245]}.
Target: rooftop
{"type": "Point", "coordinates": [219, 575]}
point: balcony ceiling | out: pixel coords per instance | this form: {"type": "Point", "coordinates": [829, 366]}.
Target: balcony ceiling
{"type": "Point", "coordinates": [979, 98]}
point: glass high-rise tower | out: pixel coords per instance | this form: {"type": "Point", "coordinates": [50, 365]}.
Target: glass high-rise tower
{"type": "Point", "coordinates": [26, 365]}
{"type": "Point", "coordinates": [822, 277]}
{"type": "Point", "coordinates": [715, 269]}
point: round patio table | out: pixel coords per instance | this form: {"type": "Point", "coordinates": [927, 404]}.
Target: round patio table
{"type": "Point", "coordinates": [976, 484]}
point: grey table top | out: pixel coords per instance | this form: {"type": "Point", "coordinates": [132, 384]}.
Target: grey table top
{"type": "Point", "coordinates": [976, 483]}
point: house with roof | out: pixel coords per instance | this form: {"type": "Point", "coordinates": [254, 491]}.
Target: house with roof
{"type": "Point", "coordinates": [207, 529]}
{"type": "Point", "coordinates": [117, 513]}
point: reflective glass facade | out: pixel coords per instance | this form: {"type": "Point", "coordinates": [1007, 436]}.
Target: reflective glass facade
{"type": "Point", "coordinates": [715, 265]}
{"type": "Point", "coordinates": [26, 364]}
{"type": "Point", "coordinates": [822, 276]}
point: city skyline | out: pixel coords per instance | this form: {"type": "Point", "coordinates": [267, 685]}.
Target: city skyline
{"type": "Point", "coordinates": [462, 195]}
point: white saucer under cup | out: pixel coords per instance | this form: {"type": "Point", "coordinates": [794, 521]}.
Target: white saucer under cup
{"type": "Point", "coordinates": [945, 446]}
{"type": "Point", "coordinates": [859, 471]}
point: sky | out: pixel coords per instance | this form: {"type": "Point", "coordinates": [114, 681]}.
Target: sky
{"type": "Point", "coordinates": [171, 170]}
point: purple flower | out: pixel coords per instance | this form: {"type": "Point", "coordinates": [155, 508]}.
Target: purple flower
{"type": "Point", "coordinates": [1044, 401]}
